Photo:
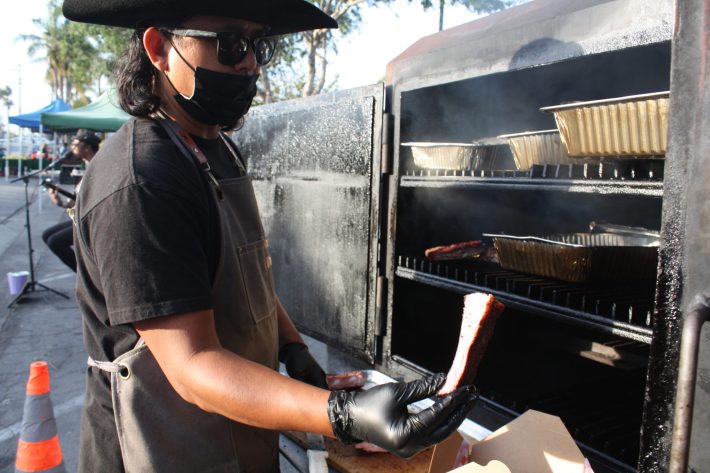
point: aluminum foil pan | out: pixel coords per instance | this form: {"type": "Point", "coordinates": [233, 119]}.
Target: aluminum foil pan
{"type": "Point", "coordinates": [537, 147]}
{"type": "Point", "coordinates": [653, 236]}
{"type": "Point", "coordinates": [627, 126]}
{"type": "Point", "coordinates": [580, 257]}
{"type": "Point", "coordinates": [453, 156]}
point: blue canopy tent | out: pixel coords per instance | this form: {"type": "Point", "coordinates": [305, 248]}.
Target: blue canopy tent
{"type": "Point", "coordinates": [33, 120]}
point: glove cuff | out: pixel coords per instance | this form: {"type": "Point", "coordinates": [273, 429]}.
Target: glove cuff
{"type": "Point", "coordinates": [287, 349]}
{"type": "Point", "coordinates": [339, 419]}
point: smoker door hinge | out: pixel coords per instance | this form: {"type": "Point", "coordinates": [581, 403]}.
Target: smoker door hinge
{"type": "Point", "coordinates": [386, 154]}
{"type": "Point", "coordinates": [380, 303]}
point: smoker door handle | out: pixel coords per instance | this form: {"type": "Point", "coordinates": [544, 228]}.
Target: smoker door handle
{"type": "Point", "coordinates": [685, 388]}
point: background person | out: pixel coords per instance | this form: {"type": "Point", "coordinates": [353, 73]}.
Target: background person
{"type": "Point", "coordinates": [182, 323]}
{"type": "Point", "coordinates": [60, 237]}
{"type": "Point", "coordinates": [43, 153]}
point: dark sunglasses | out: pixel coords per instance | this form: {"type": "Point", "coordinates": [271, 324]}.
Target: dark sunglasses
{"type": "Point", "coordinates": [232, 47]}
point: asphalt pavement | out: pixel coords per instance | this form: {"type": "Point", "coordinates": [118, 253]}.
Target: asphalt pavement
{"type": "Point", "coordinates": [40, 326]}
{"type": "Point", "coordinates": [45, 326]}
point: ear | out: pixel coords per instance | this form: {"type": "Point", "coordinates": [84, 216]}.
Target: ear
{"type": "Point", "coordinates": [157, 47]}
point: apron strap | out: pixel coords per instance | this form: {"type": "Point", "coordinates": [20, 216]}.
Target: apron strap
{"type": "Point", "coordinates": [110, 366]}
{"type": "Point", "coordinates": [107, 366]}
{"type": "Point", "coordinates": [236, 156]}
{"type": "Point", "coordinates": [189, 148]}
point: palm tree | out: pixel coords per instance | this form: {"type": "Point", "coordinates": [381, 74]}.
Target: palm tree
{"type": "Point", "coordinates": [67, 51]}
{"type": "Point", "coordinates": [300, 64]}
{"type": "Point", "coordinates": [477, 6]}
{"type": "Point", "coordinates": [5, 93]}
{"type": "Point", "coordinates": [49, 42]}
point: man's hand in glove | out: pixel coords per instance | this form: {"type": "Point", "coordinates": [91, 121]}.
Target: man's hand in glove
{"type": "Point", "coordinates": [379, 415]}
{"type": "Point", "coordinates": [301, 365]}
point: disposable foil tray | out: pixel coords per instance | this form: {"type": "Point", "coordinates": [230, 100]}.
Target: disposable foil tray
{"type": "Point", "coordinates": [627, 126]}
{"type": "Point", "coordinates": [580, 257]}
{"type": "Point", "coordinates": [453, 156]}
{"type": "Point", "coordinates": [537, 147]}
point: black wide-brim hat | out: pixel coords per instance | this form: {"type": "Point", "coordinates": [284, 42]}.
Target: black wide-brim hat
{"type": "Point", "coordinates": [282, 16]}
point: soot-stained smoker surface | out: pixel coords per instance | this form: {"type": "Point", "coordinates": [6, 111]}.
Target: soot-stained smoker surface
{"type": "Point", "coordinates": [544, 52]}
{"type": "Point", "coordinates": [316, 167]}
{"type": "Point", "coordinates": [313, 178]}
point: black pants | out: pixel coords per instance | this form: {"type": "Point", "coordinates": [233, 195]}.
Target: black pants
{"type": "Point", "coordinates": [60, 238]}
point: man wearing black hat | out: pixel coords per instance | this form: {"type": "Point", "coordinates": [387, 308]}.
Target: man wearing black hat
{"type": "Point", "coordinates": [182, 325]}
{"type": "Point", "coordinates": [60, 237]}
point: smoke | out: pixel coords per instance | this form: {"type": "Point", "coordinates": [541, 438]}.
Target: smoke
{"type": "Point", "coordinates": [509, 102]}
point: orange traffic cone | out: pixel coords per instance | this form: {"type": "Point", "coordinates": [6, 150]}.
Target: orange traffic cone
{"type": "Point", "coordinates": [38, 448]}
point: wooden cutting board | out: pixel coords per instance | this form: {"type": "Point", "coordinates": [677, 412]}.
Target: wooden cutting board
{"type": "Point", "coordinates": [348, 459]}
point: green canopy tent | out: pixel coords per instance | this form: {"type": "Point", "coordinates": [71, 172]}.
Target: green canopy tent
{"type": "Point", "coordinates": [103, 114]}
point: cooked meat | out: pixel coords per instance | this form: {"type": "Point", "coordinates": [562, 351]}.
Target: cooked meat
{"type": "Point", "coordinates": [351, 380]}
{"type": "Point", "coordinates": [480, 313]}
{"type": "Point", "coordinates": [474, 249]}
{"type": "Point", "coordinates": [369, 447]}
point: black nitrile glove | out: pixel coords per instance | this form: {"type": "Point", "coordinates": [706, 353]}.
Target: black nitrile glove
{"type": "Point", "coordinates": [301, 365]}
{"type": "Point", "coordinates": [379, 415]}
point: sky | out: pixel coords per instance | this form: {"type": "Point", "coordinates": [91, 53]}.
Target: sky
{"type": "Point", "coordinates": [362, 57]}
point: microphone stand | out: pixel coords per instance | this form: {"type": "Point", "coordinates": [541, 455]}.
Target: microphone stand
{"type": "Point", "coordinates": [31, 284]}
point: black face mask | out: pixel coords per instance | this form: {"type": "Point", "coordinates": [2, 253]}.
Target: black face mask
{"type": "Point", "coordinates": [218, 98]}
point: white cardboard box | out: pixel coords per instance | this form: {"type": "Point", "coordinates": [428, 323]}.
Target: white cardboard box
{"type": "Point", "coordinates": [535, 442]}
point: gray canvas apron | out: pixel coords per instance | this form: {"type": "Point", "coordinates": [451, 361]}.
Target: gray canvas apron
{"type": "Point", "coordinates": [158, 430]}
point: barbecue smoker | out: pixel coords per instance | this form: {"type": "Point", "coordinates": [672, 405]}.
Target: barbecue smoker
{"type": "Point", "coordinates": [349, 216]}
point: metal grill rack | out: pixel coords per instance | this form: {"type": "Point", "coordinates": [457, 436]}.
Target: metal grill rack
{"type": "Point", "coordinates": [631, 177]}
{"type": "Point", "coordinates": [627, 169]}
{"type": "Point", "coordinates": [607, 425]}
{"type": "Point", "coordinates": [625, 310]}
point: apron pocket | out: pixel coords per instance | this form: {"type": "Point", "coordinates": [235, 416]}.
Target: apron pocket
{"type": "Point", "coordinates": [255, 266]}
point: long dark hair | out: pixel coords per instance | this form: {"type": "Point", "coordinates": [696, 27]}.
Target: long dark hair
{"type": "Point", "coordinates": [136, 78]}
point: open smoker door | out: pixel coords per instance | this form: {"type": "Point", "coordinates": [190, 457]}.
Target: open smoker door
{"type": "Point", "coordinates": [316, 169]}
{"type": "Point", "coordinates": [679, 393]}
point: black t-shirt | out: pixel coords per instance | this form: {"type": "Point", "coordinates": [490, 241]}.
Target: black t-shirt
{"type": "Point", "coordinates": [147, 243]}
{"type": "Point", "coordinates": [147, 240]}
